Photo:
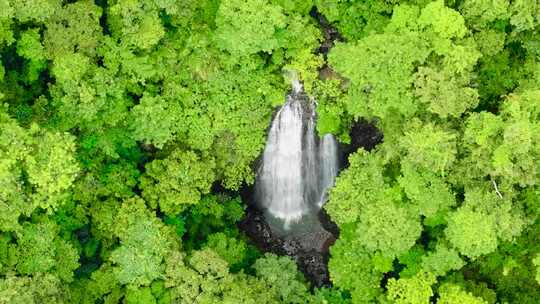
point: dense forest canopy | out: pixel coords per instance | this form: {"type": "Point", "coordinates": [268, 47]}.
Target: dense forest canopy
{"type": "Point", "coordinates": [128, 127]}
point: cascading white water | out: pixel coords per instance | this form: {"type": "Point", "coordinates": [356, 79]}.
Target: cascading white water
{"type": "Point", "coordinates": [297, 167]}
{"type": "Point", "coordinates": [329, 163]}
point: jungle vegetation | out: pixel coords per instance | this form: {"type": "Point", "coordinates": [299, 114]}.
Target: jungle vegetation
{"type": "Point", "coordinates": [119, 119]}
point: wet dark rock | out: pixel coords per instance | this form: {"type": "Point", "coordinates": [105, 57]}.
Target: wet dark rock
{"type": "Point", "coordinates": [258, 230]}
{"type": "Point", "coordinates": [330, 33]}
{"type": "Point", "coordinates": [327, 223]}
{"type": "Point", "coordinates": [365, 135]}
{"type": "Point", "coordinates": [309, 251]}
{"type": "Point", "coordinates": [314, 265]}
{"type": "Point", "coordinates": [291, 247]}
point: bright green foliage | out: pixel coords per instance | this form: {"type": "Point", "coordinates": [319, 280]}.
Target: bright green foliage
{"type": "Point", "coordinates": [452, 294]}
{"type": "Point", "coordinates": [480, 14]}
{"type": "Point", "coordinates": [136, 23]}
{"type": "Point", "coordinates": [232, 250]}
{"type": "Point", "coordinates": [154, 121]}
{"type": "Point", "coordinates": [205, 279]}
{"type": "Point", "coordinates": [41, 288]}
{"type": "Point", "coordinates": [300, 6]}
{"type": "Point", "coordinates": [352, 269]}
{"type": "Point", "coordinates": [376, 92]}
{"type": "Point", "coordinates": [441, 261]}
{"type": "Point", "coordinates": [129, 127]}
{"type": "Point", "coordinates": [536, 263]}
{"type": "Point", "coordinates": [490, 42]}
{"type": "Point", "coordinates": [331, 296]}
{"type": "Point", "coordinates": [6, 13]}
{"type": "Point", "coordinates": [426, 190]}
{"type": "Point", "coordinates": [428, 147]}
{"type": "Point", "coordinates": [386, 90]}
{"type": "Point", "coordinates": [176, 181]}
{"type": "Point", "coordinates": [415, 290]}
{"type": "Point", "coordinates": [52, 168]}
{"type": "Point", "coordinates": [282, 275]}
{"type": "Point", "coordinates": [29, 45]}
{"type": "Point", "coordinates": [38, 167]}
{"type": "Point", "coordinates": [74, 28]}
{"type": "Point", "coordinates": [506, 146]}
{"type": "Point", "coordinates": [412, 260]}
{"type": "Point", "coordinates": [472, 233]}
{"type": "Point", "coordinates": [70, 68]}
{"type": "Point", "coordinates": [387, 228]}
{"type": "Point", "coordinates": [355, 188]}
{"type": "Point", "coordinates": [509, 219]}
{"type": "Point", "coordinates": [248, 26]}
{"type": "Point", "coordinates": [34, 10]}
{"type": "Point", "coordinates": [356, 19]}
{"type": "Point", "coordinates": [140, 296]}
{"type": "Point", "coordinates": [144, 243]}
{"type": "Point", "coordinates": [330, 117]}
{"type": "Point", "coordinates": [443, 21]}
{"type": "Point", "coordinates": [452, 165]}
{"type": "Point", "coordinates": [443, 94]}
{"type": "Point", "coordinates": [42, 251]}
{"type": "Point", "coordinates": [525, 14]}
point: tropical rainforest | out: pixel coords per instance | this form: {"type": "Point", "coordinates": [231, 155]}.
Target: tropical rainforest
{"type": "Point", "coordinates": [129, 127]}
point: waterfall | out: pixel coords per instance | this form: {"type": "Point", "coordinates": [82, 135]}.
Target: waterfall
{"type": "Point", "coordinates": [328, 159]}
{"type": "Point", "coordinates": [297, 166]}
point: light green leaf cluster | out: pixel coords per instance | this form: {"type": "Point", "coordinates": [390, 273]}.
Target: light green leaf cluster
{"type": "Point", "coordinates": [154, 121]}
{"type": "Point", "coordinates": [453, 294]}
{"type": "Point", "coordinates": [387, 228]}
{"type": "Point", "coordinates": [434, 54]}
{"type": "Point", "coordinates": [414, 290]}
{"type": "Point", "coordinates": [34, 10]}
{"type": "Point", "coordinates": [38, 169]}
{"type": "Point", "coordinates": [429, 147]}
{"type": "Point", "coordinates": [443, 94]}
{"type": "Point", "coordinates": [351, 268]}
{"type": "Point", "coordinates": [136, 23]}
{"type": "Point", "coordinates": [248, 26]}
{"type": "Point", "coordinates": [472, 233]}
{"type": "Point", "coordinates": [177, 181]}
{"type": "Point", "coordinates": [536, 262]}
{"type": "Point", "coordinates": [40, 288]}
{"type": "Point", "coordinates": [282, 275]}
{"type": "Point", "coordinates": [378, 92]}
{"type": "Point", "coordinates": [429, 192]}
{"type": "Point", "coordinates": [442, 260]}
{"type": "Point", "coordinates": [356, 19]}
{"type": "Point", "coordinates": [232, 250]}
{"type": "Point", "coordinates": [355, 188]}
{"type": "Point", "coordinates": [41, 250]}
{"type": "Point", "coordinates": [6, 14]}
{"type": "Point", "coordinates": [74, 28]}
{"type": "Point", "coordinates": [29, 45]}
{"type": "Point", "coordinates": [506, 146]}
{"type": "Point", "coordinates": [144, 243]}
{"type": "Point", "coordinates": [205, 278]}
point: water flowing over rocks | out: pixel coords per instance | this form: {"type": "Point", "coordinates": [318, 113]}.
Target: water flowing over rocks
{"type": "Point", "coordinates": [284, 214]}
{"type": "Point", "coordinates": [297, 166]}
